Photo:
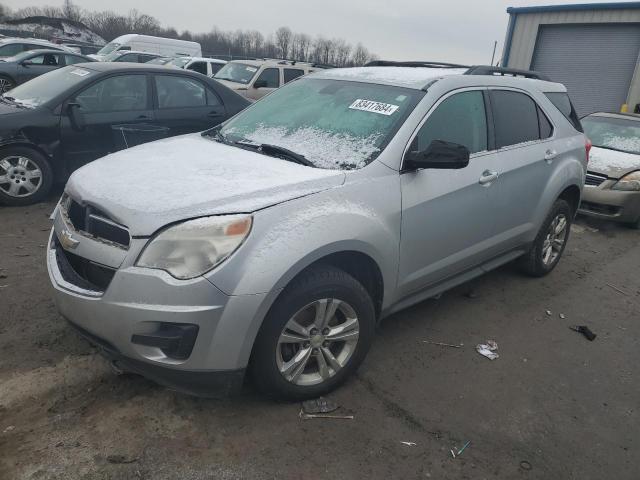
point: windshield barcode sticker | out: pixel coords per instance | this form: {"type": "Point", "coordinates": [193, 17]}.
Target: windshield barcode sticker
{"type": "Point", "coordinates": [373, 107]}
{"type": "Point", "coordinates": [80, 72]}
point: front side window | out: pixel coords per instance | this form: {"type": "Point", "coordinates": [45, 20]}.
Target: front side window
{"type": "Point", "coordinates": [237, 72]}
{"type": "Point", "coordinates": [200, 67]}
{"type": "Point", "coordinates": [179, 92]}
{"type": "Point", "coordinates": [515, 117]}
{"type": "Point", "coordinates": [47, 60]}
{"type": "Point", "coordinates": [334, 124]}
{"type": "Point", "coordinates": [215, 67]}
{"type": "Point", "coordinates": [460, 119]}
{"type": "Point", "coordinates": [115, 94]}
{"type": "Point", "coordinates": [269, 78]}
{"type": "Point", "coordinates": [613, 133]}
{"type": "Point", "coordinates": [109, 48]}
{"type": "Point", "coordinates": [292, 74]}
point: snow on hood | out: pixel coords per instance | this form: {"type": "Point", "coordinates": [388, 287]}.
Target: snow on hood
{"type": "Point", "coordinates": [152, 185]}
{"type": "Point", "coordinates": [612, 163]}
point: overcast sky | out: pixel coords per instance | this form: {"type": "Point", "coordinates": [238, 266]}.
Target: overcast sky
{"type": "Point", "coordinates": [451, 30]}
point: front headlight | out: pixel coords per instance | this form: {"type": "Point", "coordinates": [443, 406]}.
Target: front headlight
{"type": "Point", "coordinates": [192, 248]}
{"type": "Point", "coordinates": [628, 183]}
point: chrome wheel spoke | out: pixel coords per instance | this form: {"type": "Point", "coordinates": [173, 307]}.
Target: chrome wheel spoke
{"type": "Point", "coordinates": [4, 179]}
{"type": "Point", "coordinates": [297, 328]}
{"type": "Point", "coordinates": [331, 360]}
{"type": "Point", "coordinates": [23, 162]}
{"type": "Point", "coordinates": [5, 164]}
{"type": "Point", "coordinates": [14, 189]}
{"type": "Point", "coordinates": [29, 187]}
{"type": "Point", "coordinates": [294, 367]}
{"type": "Point", "coordinates": [560, 225]}
{"type": "Point", "coordinates": [34, 174]}
{"type": "Point", "coordinates": [345, 332]}
{"type": "Point", "coordinates": [323, 368]}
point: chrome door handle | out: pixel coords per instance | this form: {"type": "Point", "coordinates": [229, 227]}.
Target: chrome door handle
{"type": "Point", "coordinates": [549, 155]}
{"type": "Point", "coordinates": [488, 177]}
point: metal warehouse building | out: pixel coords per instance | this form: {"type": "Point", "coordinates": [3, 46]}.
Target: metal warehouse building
{"type": "Point", "coordinates": [592, 48]}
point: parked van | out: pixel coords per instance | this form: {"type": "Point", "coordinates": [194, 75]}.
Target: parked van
{"type": "Point", "coordinates": [167, 47]}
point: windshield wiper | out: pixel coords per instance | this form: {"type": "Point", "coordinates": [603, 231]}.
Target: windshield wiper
{"type": "Point", "coordinates": [285, 154]}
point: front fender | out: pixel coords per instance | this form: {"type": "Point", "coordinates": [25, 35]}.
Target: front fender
{"type": "Point", "coordinates": [362, 216]}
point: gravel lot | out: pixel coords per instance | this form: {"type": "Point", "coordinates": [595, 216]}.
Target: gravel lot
{"type": "Point", "coordinates": [553, 406]}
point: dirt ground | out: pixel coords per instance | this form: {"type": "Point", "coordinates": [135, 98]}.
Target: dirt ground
{"type": "Point", "coordinates": [553, 406]}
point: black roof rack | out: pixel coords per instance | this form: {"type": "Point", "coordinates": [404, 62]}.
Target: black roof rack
{"type": "Point", "coordinates": [389, 63]}
{"type": "Point", "coordinates": [489, 70]}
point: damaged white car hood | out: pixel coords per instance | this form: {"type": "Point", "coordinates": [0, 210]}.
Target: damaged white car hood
{"type": "Point", "coordinates": [152, 185]}
{"type": "Point", "coordinates": [612, 163]}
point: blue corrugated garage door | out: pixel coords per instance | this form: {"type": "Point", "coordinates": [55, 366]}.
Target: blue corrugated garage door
{"type": "Point", "coordinates": [595, 62]}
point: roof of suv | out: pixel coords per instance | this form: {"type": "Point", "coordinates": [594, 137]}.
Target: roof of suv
{"type": "Point", "coordinates": [32, 41]}
{"type": "Point", "coordinates": [625, 116]}
{"type": "Point", "coordinates": [419, 78]}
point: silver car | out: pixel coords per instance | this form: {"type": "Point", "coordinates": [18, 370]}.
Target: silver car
{"type": "Point", "coordinates": [275, 242]}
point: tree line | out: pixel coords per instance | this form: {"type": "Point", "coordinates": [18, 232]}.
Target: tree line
{"type": "Point", "coordinates": [283, 43]}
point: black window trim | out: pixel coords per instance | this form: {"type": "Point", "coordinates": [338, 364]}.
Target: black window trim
{"type": "Point", "coordinates": [529, 143]}
{"type": "Point", "coordinates": [437, 103]}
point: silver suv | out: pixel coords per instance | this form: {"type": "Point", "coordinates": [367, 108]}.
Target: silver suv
{"type": "Point", "coordinates": [275, 242]}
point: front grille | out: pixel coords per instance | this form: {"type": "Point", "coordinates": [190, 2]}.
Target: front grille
{"type": "Point", "coordinates": [81, 272]}
{"type": "Point", "coordinates": [594, 179]}
{"type": "Point", "coordinates": [95, 223]}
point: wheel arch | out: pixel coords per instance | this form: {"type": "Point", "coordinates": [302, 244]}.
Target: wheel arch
{"type": "Point", "coordinates": [571, 195]}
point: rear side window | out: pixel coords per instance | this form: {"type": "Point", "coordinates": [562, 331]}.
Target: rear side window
{"type": "Point", "coordinates": [515, 117]}
{"type": "Point", "coordinates": [563, 103]}
{"type": "Point", "coordinates": [200, 67]}
{"type": "Point", "coordinates": [292, 73]}
{"type": "Point", "coordinates": [546, 129]}
{"type": "Point", "coordinates": [460, 119]}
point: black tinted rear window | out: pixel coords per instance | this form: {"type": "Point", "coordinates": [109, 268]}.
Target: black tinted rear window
{"type": "Point", "coordinates": [563, 103]}
{"type": "Point", "coordinates": [515, 117]}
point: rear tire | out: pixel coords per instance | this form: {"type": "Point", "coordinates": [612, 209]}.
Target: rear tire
{"type": "Point", "coordinates": [306, 348]}
{"type": "Point", "coordinates": [25, 176]}
{"type": "Point", "coordinates": [549, 245]}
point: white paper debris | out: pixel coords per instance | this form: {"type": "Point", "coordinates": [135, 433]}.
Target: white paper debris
{"type": "Point", "coordinates": [409, 444]}
{"type": "Point", "coordinates": [488, 349]}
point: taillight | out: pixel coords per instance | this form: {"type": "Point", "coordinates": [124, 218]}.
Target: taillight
{"type": "Point", "coordinates": [587, 147]}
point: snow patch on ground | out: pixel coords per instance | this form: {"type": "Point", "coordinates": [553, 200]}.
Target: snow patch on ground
{"type": "Point", "coordinates": [325, 149]}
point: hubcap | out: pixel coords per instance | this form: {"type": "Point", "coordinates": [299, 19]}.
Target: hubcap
{"type": "Point", "coordinates": [19, 176]}
{"type": "Point", "coordinates": [317, 341]}
{"type": "Point", "coordinates": [555, 239]}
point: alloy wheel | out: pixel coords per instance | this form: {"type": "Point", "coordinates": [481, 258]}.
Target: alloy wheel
{"type": "Point", "coordinates": [555, 239]}
{"type": "Point", "coordinates": [19, 176]}
{"type": "Point", "coordinates": [5, 85]}
{"type": "Point", "coordinates": [317, 342]}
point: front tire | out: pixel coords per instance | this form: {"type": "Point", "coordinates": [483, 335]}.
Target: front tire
{"type": "Point", "coordinates": [316, 334]}
{"type": "Point", "coordinates": [549, 245]}
{"type": "Point", "coordinates": [25, 176]}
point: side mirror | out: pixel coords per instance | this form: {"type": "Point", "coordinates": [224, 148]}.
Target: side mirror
{"type": "Point", "coordinates": [75, 116]}
{"type": "Point", "coordinates": [260, 84]}
{"type": "Point", "coordinates": [439, 154]}
{"type": "Point", "coordinates": [26, 63]}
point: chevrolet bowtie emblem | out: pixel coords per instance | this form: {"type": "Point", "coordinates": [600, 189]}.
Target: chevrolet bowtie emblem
{"type": "Point", "coordinates": [67, 240]}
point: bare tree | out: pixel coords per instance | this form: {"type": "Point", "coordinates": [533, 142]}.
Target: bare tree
{"type": "Point", "coordinates": [283, 40]}
{"type": "Point", "coordinates": [360, 55]}
{"type": "Point", "coordinates": [71, 11]}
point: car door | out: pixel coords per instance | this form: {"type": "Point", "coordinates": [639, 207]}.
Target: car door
{"type": "Point", "coordinates": [447, 215]}
{"type": "Point", "coordinates": [116, 113]}
{"type": "Point", "coordinates": [524, 137]}
{"type": "Point", "coordinates": [184, 104]}
{"type": "Point", "coordinates": [37, 65]}
{"type": "Point", "coordinates": [266, 82]}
